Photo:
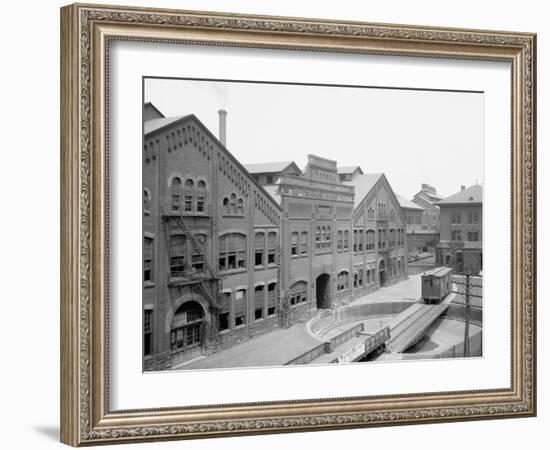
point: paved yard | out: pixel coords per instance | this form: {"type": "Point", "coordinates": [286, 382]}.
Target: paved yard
{"type": "Point", "coordinates": [282, 345]}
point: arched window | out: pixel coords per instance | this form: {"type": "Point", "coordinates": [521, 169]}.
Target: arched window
{"type": "Point", "coordinates": [343, 281]}
{"type": "Point", "coordinates": [233, 204]}
{"type": "Point", "coordinates": [298, 292]}
{"type": "Point", "coordinates": [318, 236]}
{"type": "Point", "coordinates": [176, 194]}
{"type": "Point", "coordinates": [225, 205]}
{"type": "Point", "coordinates": [329, 234]}
{"type": "Point", "coordinates": [232, 251]}
{"type": "Point", "coordinates": [188, 194]}
{"type": "Point", "coordinates": [240, 206]}
{"type": "Point", "coordinates": [186, 326]}
{"type": "Point", "coordinates": [201, 196]}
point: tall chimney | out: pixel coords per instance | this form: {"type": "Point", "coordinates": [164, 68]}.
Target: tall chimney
{"type": "Point", "coordinates": [462, 187]}
{"type": "Point", "coordinates": [222, 113]}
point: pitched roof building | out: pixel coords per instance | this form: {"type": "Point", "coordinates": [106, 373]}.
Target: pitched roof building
{"type": "Point", "coordinates": [228, 255]}
{"type": "Point", "coordinates": [461, 230]}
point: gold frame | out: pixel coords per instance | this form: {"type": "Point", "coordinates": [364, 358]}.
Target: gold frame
{"type": "Point", "coordinates": [86, 31]}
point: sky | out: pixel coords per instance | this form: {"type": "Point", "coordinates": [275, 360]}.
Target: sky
{"type": "Point", "coordinates": [412, 136]}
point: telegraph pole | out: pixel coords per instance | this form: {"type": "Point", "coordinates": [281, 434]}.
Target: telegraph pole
{"type": "Point", "coordinates": [467, 314]}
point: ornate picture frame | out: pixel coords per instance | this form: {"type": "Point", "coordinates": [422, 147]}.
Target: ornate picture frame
{"type": "Point", "coordinates": [87, 31]}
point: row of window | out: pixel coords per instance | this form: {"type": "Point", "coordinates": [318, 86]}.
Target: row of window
{"type": "Point", "coordinates": [473, 217]}
{"type": "Point", "coordinates": [189, 197]}
{"type": "Point", "coordinates": [233, 205]}
{"type": "Point", "coordinates": [239, 303]}
{"type": "Point", "coordinates": [472, 235]}
{"type": "Point", "coordinates": [265, 253]}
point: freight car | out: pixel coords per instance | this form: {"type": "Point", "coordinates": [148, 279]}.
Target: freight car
{"type": "Point", "coordinates": [436, 284]}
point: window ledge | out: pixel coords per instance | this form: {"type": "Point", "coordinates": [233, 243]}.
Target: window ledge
{"type": "Point", "coordinates": [149, 284]}
{"type": "Point", "coordinates": [234, 271]}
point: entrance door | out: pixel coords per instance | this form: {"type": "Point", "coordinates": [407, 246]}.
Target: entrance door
{"type": "Point", "coordinates": [187, 332]}
{"type": "Point", "coordinates": [322, 289]}
{"type": "Point", "coordinates": [382, 273]}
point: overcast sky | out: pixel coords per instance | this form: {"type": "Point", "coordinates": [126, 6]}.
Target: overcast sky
{"type": "Point", "coordinates": [411, 136]}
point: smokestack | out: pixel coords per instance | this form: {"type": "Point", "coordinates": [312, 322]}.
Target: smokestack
{"type": "Point", "coordinates": [222, 113]}
{"type": "Point", "coordinates": [462, 187]}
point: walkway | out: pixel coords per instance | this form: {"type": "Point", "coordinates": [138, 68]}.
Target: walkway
{"type": "Point", "coordinates": [284, 344]}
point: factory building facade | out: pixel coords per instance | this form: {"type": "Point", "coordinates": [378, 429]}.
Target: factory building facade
{"type": "Point", "coordinates": [229, 254]}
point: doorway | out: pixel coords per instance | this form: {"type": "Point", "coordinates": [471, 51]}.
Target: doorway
{"type": "Point", "coordinates": [382, 273]}
{"type": "Point", "coordinates": [322, 289]}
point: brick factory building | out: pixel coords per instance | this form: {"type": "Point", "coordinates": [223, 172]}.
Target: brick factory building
{"type": "Point", "coordinates": [230, 253]}
{"type": "Point", "coordinates": [461, 241]}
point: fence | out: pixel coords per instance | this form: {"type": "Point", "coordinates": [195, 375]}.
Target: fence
{"type": "Point", "coordinates": [326, 347]}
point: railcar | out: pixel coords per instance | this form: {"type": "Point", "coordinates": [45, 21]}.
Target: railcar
{"type": "Point", "coordinates": [436, 284]}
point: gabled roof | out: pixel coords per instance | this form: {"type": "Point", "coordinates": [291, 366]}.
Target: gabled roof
{"type": "Point", "coordinates": [429, 196]}
{"type": "Point", "coordinates": [156, 124]}
{"type": "Point", "coordinates": [363, 184]}
{"type": "Point", "coordinates": [404, 203]}
{"type": "Point", "coordinates": [473, 194]}
{"type": "Point", "coordinates": [153, 125]}
{"type": "Point", "coordinates": [349, 169]}
{"type": "Point", "coordinates": [149, 108]}
{"type": "Point", "coordinates": [272, 167]}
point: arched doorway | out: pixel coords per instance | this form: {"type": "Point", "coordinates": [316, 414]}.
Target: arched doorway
{"type": "Point", "coordinates": [382, 273]}
{"type": "Point", "coordinates": [322, 289]}
{"type": "Point", "coordinates": [187, 330]}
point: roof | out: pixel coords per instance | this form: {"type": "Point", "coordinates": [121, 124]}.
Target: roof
{"type": "Point", "coordinates": [404, 203]}
{"type": "Point", "coordinates": [438, 272]}
{"type": "Point", "coordinates": [156, 124]}
{"type": "Point", "coordinates": [363, 185]}
{"type": "Point", "coordinates": [428, 196]}
{"type": "Point", "coordinates": [349, 169]}
{"type": "Point", "coordinates": [270, 167]}
{"type": "Point", "coordinates": [473, 194]}
{"type": "Point", "coordinates": [273, 191]}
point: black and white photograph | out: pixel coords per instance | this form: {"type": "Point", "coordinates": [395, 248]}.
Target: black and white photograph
{"type": "Point", "coordinates": [290, 224]}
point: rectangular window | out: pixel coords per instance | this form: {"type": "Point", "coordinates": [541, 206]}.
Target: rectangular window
{"type": "Point", "coordinates": [473, 236]}
{"type": "Point", "coordinates": [223, 316]}
{"type": "Point", "coordinates": [339, 244]}
{"type": "Point", "coordinates": [456, 236]}
{"type": "Point", "coordinates": [197, 258]}
{"type": "Point", "coordinates": [148, 259]}
{"type": "Point", "coordinates": [346, 239]}
{"type": "Point", "coordinates": [147, 331]}
{"type": "Point", "coordinates": [271, 298]}
{"type": "Point", "coordinates": [232, 252]}
{"type": "Point", "coordinates": [303, 243]}
{"type": "Point", "coordinates": [355, 240]}
{"type": "Point", "coordinates": [269, 179]}
{"type": "Point", "coordinates": [260, 246]}
{"type": "Point", "coordinates": [240, 307]}
{"type": "Point", "coordinates": [361, 240]}
{"type": "Point", "coordinates": [177, 256]}
{"type": "Point", "coordinates": [294, 243]}
{"type": "Point", "coordinates": [259, 302]}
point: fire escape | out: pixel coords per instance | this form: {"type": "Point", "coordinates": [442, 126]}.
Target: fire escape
{"type": "Point", "coordinates": [201, 278]}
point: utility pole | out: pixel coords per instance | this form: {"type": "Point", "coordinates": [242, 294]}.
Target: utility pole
{"type": "Point", "coordinates": [467, 314]}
